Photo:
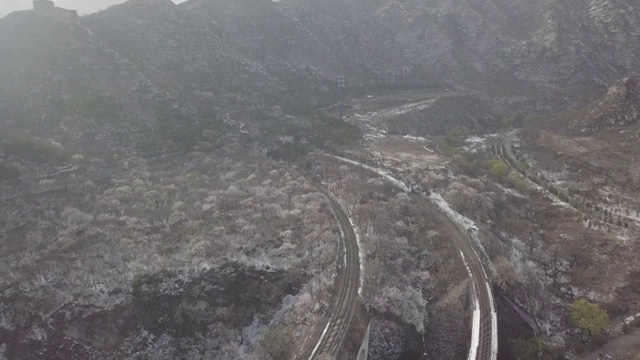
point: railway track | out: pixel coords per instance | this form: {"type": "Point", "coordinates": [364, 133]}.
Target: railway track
{"type": "Point", "coordinates": [328, 337]}
{"type": "Point", "coordinates": [484, 334]}
{"type": "Point", "coordinates": [484, 344]}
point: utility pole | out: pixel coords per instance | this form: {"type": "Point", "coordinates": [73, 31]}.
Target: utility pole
{"type": "Point", "coordinates": [341, 86]}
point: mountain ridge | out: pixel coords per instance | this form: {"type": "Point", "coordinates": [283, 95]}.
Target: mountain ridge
{"type": "Point", "coordinates": [217, 56]}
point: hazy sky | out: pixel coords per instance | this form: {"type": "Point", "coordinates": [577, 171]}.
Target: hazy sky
{"type": "Point", "coordinates": [83, 6]}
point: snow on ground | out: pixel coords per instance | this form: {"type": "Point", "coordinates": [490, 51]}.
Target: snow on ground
{"type": "Point", "coordinates": [382, 173]}
{"type": "Point", "coordinates": [429, 150]}
{"type": "Point", "coordinates": [464, 260]}
{"type": "Point", "coordinates": [463, 221]}
{"type": "Point", "coordinates": [260, 261]}
{"type": "Point", "coordinates": [372, 133]}
{"type": "Point", "coordinates": [360, 254]}
{"type": "Point", "coordinates": [521, 262]}
{"type": "Point", "coordinates": [494, 324]}
{"type": "Point", "coordinates": [547, 322]}
{"type": "Point", "coordinates": [417, 106]}
{"type": "Point", "coordinates": [324, 333]}
{"type": "Point", "coordinates": [623, 238]}
{"type": "Point", "coordinates": [460, 219]}
{"type": "Point", "coordinates": [510, 191]}
{"type": "Point", "coordinates": [626, 213]}
{"type": "Point", "coordinates": [556, 178]}
{"type": "Point", "coordinates": [477, 143]}
{"type": "Point", "coordinates": [415, 138]}
{"type": "Point", "coordinates": [466, 224]}
{"type": "Point", "coordinates": [476, 140]}
{"type": "Point", "coordinates": [554, 199]}
{"type": "Point", "coordinates": [475, 325]}
{"type": "Point", "coordinates": [475, 330]}
{"type": "Point", "coordinates": [631, 318]}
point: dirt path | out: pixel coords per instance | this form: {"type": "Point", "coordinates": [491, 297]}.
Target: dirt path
{"type": "Point", "coordinates": [618, 346]}
{"type": "Point", "coordinates": [328, 337]}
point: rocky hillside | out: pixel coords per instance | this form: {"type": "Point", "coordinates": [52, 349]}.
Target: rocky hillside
{"type": "Point", "coordinates": [61, 82]}
{"type": "Point", "coordinates": [236, 55]}
{"type": "Point", "coordinates": [618, 108]}
{"type": "Point", "coordinates": [135, 192]}
{"type": "Point", "coordinates": [196, 60]}
{"type": "Point", "coordinates": [188, 50]}
{"type": "Point", "coordinates": [555, 43]}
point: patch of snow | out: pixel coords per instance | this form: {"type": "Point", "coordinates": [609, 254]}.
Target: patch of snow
{"type": "Point", "coordinates": [475, 144]}
{"type": "Point", "coordinates": [415, 138]}
{"type": "Point", "coordinates": [631, 318]}
{"type": "Point", "coordinates": [462, 221]}
{"type": "Point", "coordinates": [360, 255]}
{"type": "Point", "coordinates": [554, 199]}
{"type": "Point", "coordinates": [510, 191]}
{"type": "Point", "coordinates": [621, 211]}
{"type": "Point", "coordinates": [623, 238]}
{"type": "Point", "coordinates": [429, 150]}
{"type": "Point", "coordinates": [315, 349]}
{"type": "Point", "coordinates": [494, 325]}
{"type": "Point", "coordinates": [464, 260]}
{"type": "Point", "coordinates": [475, 140]}
{"type": "Point", "coordinates": [403, 109]}
{"type": "Point", "coordinates": [259, 262]}
{"type": "Point", "coordinates": [373, 133]}
{"type": "Point", "coordinates": [401, 185]}
{"type": "Point", "coordinates": [475, 329]}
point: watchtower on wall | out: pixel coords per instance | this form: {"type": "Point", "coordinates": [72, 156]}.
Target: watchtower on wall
{"type": "Point", "coordinates": [43, 6]}
{"type": "Point", "coordinates": [48, 9]}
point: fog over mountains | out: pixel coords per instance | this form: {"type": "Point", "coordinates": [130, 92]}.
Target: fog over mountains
{"type": "Point", "coordinates": [165, 171]}
{"type": "Point", "coordinates": [509, 57]}
{"type": "Point", "coordinates": [83, 6]}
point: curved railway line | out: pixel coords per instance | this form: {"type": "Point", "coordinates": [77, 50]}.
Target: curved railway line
{"type": "Point", "coordinates": [484, 344]}
{"type": "Point", "coordinates": [328, 337]}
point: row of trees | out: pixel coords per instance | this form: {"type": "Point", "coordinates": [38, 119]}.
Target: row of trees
{"type": "Point", "coordinates": [594, 214]}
